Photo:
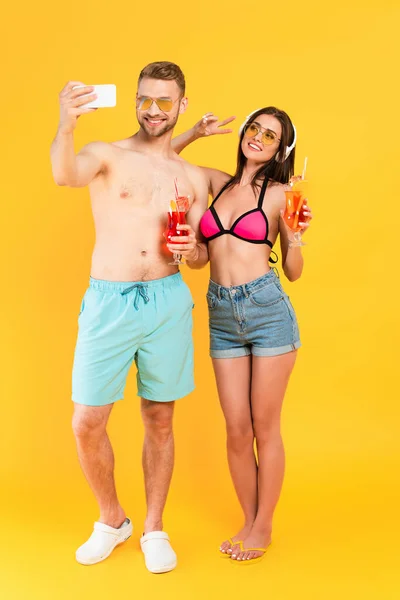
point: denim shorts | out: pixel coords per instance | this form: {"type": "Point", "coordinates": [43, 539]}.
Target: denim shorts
{"type": "Point", "coordinates": [146, 322]}
{"type": "Point", "coordinates": [254, 318]}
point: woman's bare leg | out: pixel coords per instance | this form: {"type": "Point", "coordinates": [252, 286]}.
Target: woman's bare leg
{"type": "Point", "coordinates": [233, 377]}
{"type": "Point", "coordinates": [270, 376]}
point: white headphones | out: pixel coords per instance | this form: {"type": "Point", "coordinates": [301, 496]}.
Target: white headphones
{"type": "Point", "coordinates": [288, 148]}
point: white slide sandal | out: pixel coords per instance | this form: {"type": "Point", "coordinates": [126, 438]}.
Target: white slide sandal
{"type": "Point", "coordinates": [102, 542]}
{"type": "Point", "coordinates": [158, 553]}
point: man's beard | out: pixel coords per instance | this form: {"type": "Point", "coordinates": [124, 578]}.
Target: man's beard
{"type": "Point", "coordinates": [168, 125]}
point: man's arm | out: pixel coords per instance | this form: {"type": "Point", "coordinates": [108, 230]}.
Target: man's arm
{"type": "Point", "coordinates": [69, 169]}
{"type": "Point", "coordinates": [76, 170]}
{"type": "Point", "coordinates": [192, 247]}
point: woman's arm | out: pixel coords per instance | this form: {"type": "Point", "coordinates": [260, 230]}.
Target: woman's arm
{"type": "Point", "coordinates": [208, 125]}
{"type": "Point", "coordinates": [216, 180]}
{"type": "Point", "coordinates": [292, 258]}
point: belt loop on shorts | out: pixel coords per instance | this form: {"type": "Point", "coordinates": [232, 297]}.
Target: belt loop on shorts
{"type": "Point", "coordinates": [245, 292]}
{"type": "Point", "coordinates": [219, 292]}
{"type": "Point", "coordinates": [141, 290]}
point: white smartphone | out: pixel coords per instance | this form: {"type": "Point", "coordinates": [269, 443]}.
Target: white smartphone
{"type": "Point", "coordinates": [106, 96]}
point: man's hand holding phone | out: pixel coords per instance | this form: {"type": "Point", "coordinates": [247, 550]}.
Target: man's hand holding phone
{"type": "Point", "coordinates": [77, 99]}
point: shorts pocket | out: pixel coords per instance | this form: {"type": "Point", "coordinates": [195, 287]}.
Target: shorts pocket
{"type": "Point", "coordinates": [266, 296]}
{"type": "Point", "coordinates": [82, 308]}
{"type": "Point", "coordinates": [211, 301]}
{"type": "Point", "coordinates": [180, 296]}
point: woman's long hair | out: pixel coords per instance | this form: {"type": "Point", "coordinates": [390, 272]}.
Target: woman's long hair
{"type": "Point", "coordinates": [277, 168]}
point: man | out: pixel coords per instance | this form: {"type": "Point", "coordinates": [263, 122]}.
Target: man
{"type": "Point", "coordinates": [137, 306]}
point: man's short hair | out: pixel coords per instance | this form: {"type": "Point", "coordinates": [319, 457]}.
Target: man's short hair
{"type": "Point", "coordinates": [164, 70]}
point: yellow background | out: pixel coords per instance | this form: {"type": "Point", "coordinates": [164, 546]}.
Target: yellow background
{"type": "Point", "coordinates": [333, 68]}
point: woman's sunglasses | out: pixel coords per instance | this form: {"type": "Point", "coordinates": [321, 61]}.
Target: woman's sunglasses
{"type": "Point", "coordinates": [164, 104]}
{"type": "Point", "coordinates": [268, 137]}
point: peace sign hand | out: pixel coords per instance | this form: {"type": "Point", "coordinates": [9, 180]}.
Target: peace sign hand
{"type": "Point", "coordinates": [210, 125]}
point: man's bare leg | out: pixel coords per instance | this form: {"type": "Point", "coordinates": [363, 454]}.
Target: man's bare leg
{"type": "Point", "coordinates": [158, 459]}
{"type": "Point", "coordinates": [96, 458]}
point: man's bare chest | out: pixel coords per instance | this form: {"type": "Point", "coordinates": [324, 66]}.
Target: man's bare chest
{"type": "Point", "coordinates": [149, 182]}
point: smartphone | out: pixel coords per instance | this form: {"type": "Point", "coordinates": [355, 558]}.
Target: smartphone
{"type": "Point", "coordinates": [106, 96]}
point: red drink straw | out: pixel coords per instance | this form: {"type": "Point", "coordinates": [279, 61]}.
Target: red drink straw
{"type": "Point", "coordinates": [176, 188]}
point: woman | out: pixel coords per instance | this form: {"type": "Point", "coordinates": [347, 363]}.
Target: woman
{"type": "Point", "coordinates": [254, 335]}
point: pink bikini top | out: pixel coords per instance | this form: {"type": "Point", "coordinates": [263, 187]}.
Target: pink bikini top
{"type": "Point", "coordinates": [251, 227]}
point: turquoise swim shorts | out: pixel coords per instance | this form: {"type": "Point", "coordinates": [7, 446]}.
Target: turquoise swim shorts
{"type": "Point", "coordinates": [149, 322]}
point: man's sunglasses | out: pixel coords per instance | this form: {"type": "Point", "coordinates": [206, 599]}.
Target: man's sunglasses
{"type": "Point", "coordinates": [164, 104]}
